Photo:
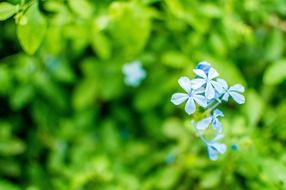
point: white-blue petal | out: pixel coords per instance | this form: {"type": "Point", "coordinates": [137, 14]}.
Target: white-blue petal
{"type": "Point", "coordinates": [225, 96]}
{"type": "Point", "coordinates": [210, 92]}
{"type": "Point", "coordinates": [198, 83]}
{"type": "Point", "coordinates": [201, 100]}
{"type": "Point", "coordinates": [131, 81]}
{"type": "Point", "coordinates": [216, 124]}
{"type": "Point", "coordinates": [237, 88]}
{"type": "Point", "coordinates": [240, 99]}
{"type": "Point", "coordinates": [204, 123]}
{"type": "Point", "coordinates": [199, 91]}
{"type": "Point", "coordinates": [200, 73]}
{"type": "Point", "coordinates": [212, 74]}
{"type": "Point", "coordinates": [204, 63]}
{"type": "Point", "coordinates": [190, 106]}
{"type": "Point", "coordinates": [223, 83]}
{"type": "Point", "coordinates": [212, 153]}
{"type": "Point", "coordinates": [217, 113]}
{"type": "Point", "coordinates": [220, 147]}
{"type": "Point", "coordinates": [218, 87]}
{"type": "Point", "coordinates": [185, 83]}
{"type": "Point", "coordinates": [179, 98]}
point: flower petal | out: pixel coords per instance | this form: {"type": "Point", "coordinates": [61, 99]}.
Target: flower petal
{"type": "Point", "coordinates": [185, 83]}
{"type": "Point", "coordinates": [199, 91]}
{"type": "Point", "coordinates": [237, 87]}
{"type": "Point", "coordinates": [210, 92]}
{"type": "Point", "coordinates": [212, 74]}
{"type": "Point", "coordinates": [190, 106]}
{"type": "Point", "coordinates": [225, 96]}
{"type": "Point", "coordinates": [200, 73]}
{"type": "Point", "coordinates": [179, 98]}
{"type": "Point", "coordinates": [204, 123]}
{"type": "Point", "coordinates": [217, 113]}
{"type": "Point", "coordinates": [218, 87]}
{"type": "Point", "coordinates": [197, 83]}
{"type": "Point", "coordinates": [204, 65]}
{"type": "Point", "coordinates": [131, 81]}
{"type": "Point", "coordinates": [201, 100]}
{"type": "Point", "coordinates": [223, 83]}
{"type": "Point", "coordinates": [220, 147]}
{"type": "Point", "coordinates": [240, 99]}
{"type": "Point", "coordinates": [216, 124]}
{"type": "Point", "coordinates": [212, 153]}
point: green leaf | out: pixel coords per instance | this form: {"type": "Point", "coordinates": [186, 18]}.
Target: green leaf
{"type": "Point", "coordinates": [130, 26]}
{"type": "Point", "coordinates": [7, 10]}
{"type": "Point", "coordinates": [8, 186]}
{"type": "Point", "coordinates": [84, 94]}
{"type": "Point", "coordinates": [31, 35]}
{"type": "Point", "coordinates": [100, 44]}
{"type": "Point", "coordinates": [21, 96]}
{"type": "Point", "coordinates": [275, 46]}
{"type": "Point", "coordinates": [82, 8]}
{"type": "Point", "coordinates": [254, 107]}
{"type": "Point", "coordinates": [172, 128]}
{"type": "Point", "coordinates": [175, 59]}
{"type": "Point", "coordinates": [210, 179]}
{"type": "Point", "coordinates": [211, 10]}
{"type": "Point", "coordinates": [168, 177]}
{"type": "Point", "coordinates": [11, 147]}
{"type": "Point", "coordinates": [276, 73]}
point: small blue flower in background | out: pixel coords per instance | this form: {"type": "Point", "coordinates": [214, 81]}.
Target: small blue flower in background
{"type": "Point", "coordinates": [134, 73]}
{"type": "Point", "coordinates": [191, 96]}
{"type": "Point", "coordinates": [234, 147]}
{"type": "Point", "coordinates": [170, 158]}
{"type": "Point", "coordinates": [208, 91]}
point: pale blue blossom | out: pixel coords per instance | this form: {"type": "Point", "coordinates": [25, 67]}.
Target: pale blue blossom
{"type": "Point", "coordinates": [204, 65]}
{"type": "Point", "coordinates": [207, 80]}
{"type": "Point", "coordinates": [234, 147]}
{"type": "Point", "coordinates": [215, 148]}
{"type": "Point", "coordinates": [170, 158]}
{"type": "Point", "coordinates": [191, 96]}
{"type": "Point", "coordinates": [234, 91]}
{"type": "Point", "coordinates": [134, 73]}
{"type": "Point", "coordinates": [208, 91]}
{"type": "Point", "coordinates": [213, 119]}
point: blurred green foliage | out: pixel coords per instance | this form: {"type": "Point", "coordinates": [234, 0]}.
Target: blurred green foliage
{"type": "Point", "coordinates": [68, 121]}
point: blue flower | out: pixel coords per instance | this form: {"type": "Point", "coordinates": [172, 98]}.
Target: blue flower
{"type": "Point", "coordinates": [208, 91]}
{"type": "Point", "coordinates": [234, 91]}
{"type": "Point", "coordinates": [215, 148]}
{"type": "Point", "coordinates": [134, 73]}
{"type": "Point", "coordinates": [170, 158]}
{"type": "Point", "coordinates": [204, 65]}
{"type": "Point", "coordinates": [191, 96]}
{"type": "Point", "coordinates": [207, 80]}
{"type": "Point", "coordinates": [213, 119]}
{"type": "Point", "coordinates": [234, 147]}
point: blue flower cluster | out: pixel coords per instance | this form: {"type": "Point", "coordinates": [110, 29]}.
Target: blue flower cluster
{"type": "Point", "coordinates": [133, 73]}
{"type": "Point", "coordinates": [208, 91]}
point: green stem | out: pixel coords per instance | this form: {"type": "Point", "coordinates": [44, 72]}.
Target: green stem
{"type": "Point", "coordinates": [216, 105]}
{"type": "Point", "coordinates": [27, 6]}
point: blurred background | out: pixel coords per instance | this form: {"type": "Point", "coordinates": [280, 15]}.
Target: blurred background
{"type": "Point", "coordinates": [69, 122]}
